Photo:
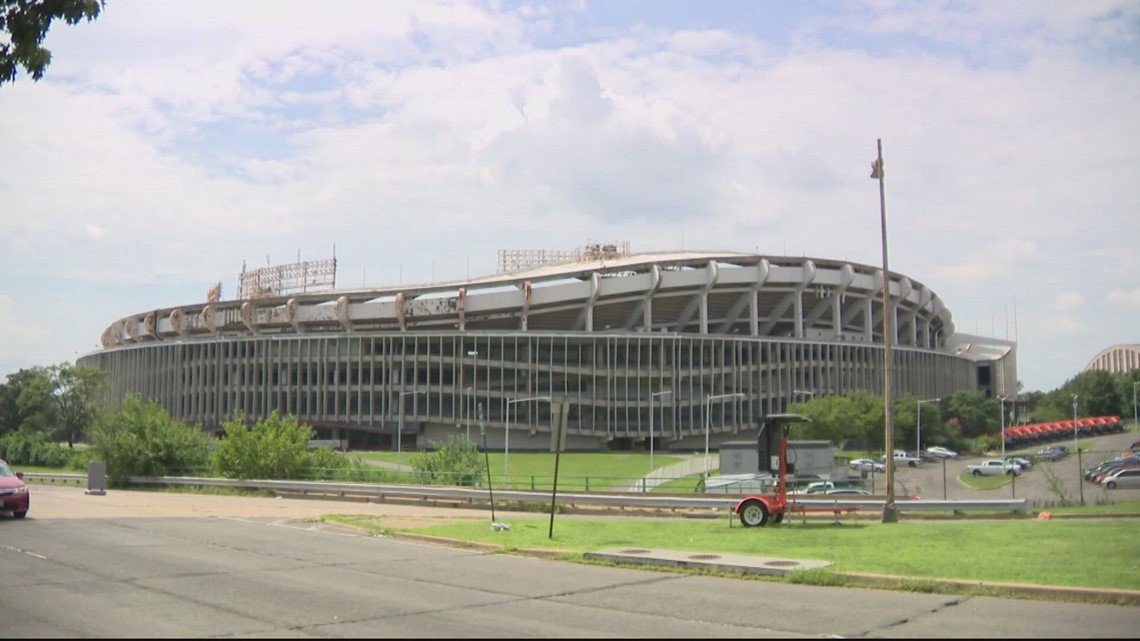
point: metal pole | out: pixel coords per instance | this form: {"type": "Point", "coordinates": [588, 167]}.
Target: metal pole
{"type": "Point", "coordinates": [474, 354]}
{"type": "Point", "coordinates": [1135, 422]}
{"type": "Point", "coordinates": [1002, 399]}
{"type": "Point", "coordinates": [708, 422]}
{"type": "Point", "coordinates": [400, 432]}
{"type": "Point", "coordinates": [890, 510]}
{"type": "Point", "coordinates": [1076, 445]}
{"type": "Point", "coordinates": [507, 435]}
{"type": "Point", "coordinates": [507, 443]}
{"type": "Point", "coordinates": [651, 397]}
{"type": "Point", "coordinates": [918, 433]}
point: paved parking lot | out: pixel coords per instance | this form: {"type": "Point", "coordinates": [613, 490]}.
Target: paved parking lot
{"type": "Point", "coordinates": [1045, 484]}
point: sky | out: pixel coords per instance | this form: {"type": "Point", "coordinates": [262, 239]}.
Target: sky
{"type": "Point", "coordinates": [171, 143]}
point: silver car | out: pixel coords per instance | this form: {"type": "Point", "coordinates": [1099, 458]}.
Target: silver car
{"type": "Point", "coordinates": [1128, 477]}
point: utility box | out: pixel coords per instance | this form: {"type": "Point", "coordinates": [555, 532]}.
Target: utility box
{"type": "Point", "coordinates": [97, 478]}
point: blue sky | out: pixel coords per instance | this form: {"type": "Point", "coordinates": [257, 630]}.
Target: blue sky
{"type": "Point", "coordinates": [170, 142]}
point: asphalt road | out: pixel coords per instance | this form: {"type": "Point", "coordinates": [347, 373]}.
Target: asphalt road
{"type": "Point", "coordinates": [145, 564]}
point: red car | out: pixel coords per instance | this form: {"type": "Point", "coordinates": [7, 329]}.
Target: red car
{"type": "Point", "coordinates": [14, 496]}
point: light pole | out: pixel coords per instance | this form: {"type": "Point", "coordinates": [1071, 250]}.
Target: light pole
{"type": "Point", "coordinates": [708, 422]}
{"type": "Point", "coordinates": [918, 430]}
{"type": "Point", "coordinates": [1002, 399]}
{"type": "Point", "coordinates": [1076, 447]}
{"type": "Point", "coordinates": [651, 397]}
{"type": "Point", "coordinates": [507, 434]}
{"type": "Point", "coordinates": [890, 510]}
{"type": "Point", "coordinates": [400, 431]}
{"type": "Point", "coordinates": [1135, 423]}
{"type": "Point", "coordinates": [474, 379]}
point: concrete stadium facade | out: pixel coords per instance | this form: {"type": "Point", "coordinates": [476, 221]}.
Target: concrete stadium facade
{"type": "Point", "coordinates": [682, 346]}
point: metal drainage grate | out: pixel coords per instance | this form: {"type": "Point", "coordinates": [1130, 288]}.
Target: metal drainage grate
{"type": "Point", "coordinates": [635, 551]}
{"type": "Point", "coordinates": [781, 564]}
{"type": "Point", "coordinates": [704, 557]}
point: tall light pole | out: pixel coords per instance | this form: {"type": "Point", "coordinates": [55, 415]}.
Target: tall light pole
{"type": "Point", "coordinates": [651, 397]}
{"type": "Point", "coordinates": [1135, 423]}
{"type": "Point", "coordinates": [1076, 447]}
{"type": "Point", "coordinates": [507, 434]}
{"type": "Point", "coordinates": [474, 379]}
{"type": "Point", "coordinates": [400, 431]}
{"type": "Point", "coordinates": [890, 510]}
{"type": "Point", "coordinates": [708, 422]}
{"type": "Point", "coordinates": [918, 430]}
{"type": "Point", "coordinates": [1002, 399]}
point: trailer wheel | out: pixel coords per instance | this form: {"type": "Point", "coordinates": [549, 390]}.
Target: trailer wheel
{"type": "Point", "coordinates": [753, 514]}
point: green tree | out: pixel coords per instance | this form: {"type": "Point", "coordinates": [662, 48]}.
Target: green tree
{"type": "Point", "coordinates": [70, 395]}
{"type": "Point", "coordinates": [140, 439]}
{"type": "Point", "coordinates": [26, 23]}
{"type": "Point", "coordinates": [974, 413]}
{"type": "Point", "coordinates": [276, 447]}
{"type": "Point", "coordinates": [456, 462]}
{"type": "Point", "coordinates": [835, 418]}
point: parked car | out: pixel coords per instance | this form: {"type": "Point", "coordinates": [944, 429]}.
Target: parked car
{"type": "Point", "coordinates": [14, 496]}
{"type": "Point", "coordinates": [1023, 462]}
{"type": "Point", "coordinates": [867, 465]}
{"type": "Point", "coordinates": [1110, 470]}
{"type": "Point", "coordinates": [1126, 477]}
{"type": "Point", "coordinates": [848, 490]}
{"type": "Point", "coordinates": [942, 452]}
{"type": "Point", "coordinates": [1052, 453]}
{"type": "Point", "coordinates": [902, 457]}
{"type": "Point", "coordinates": [994, 467]}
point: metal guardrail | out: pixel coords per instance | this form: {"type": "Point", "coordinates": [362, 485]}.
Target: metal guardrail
{"type": "Point", "coordinates": [56, 479]}
{"type": "Point", "coordinates": [380, 492]}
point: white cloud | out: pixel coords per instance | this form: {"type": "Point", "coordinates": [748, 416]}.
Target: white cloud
{"type": "Point", "coordinates": [992, 261]}
{"type": "Point", "coordinates": [1124, 298]}
{"type": "Point", "coordinates": [1063, 325]}
{"type": "Point", "coordinates": [24, 340]}
{"type": "Point", "coordinates": [1068, 301]}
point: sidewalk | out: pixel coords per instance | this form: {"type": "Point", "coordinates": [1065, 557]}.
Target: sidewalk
{"type": "Point", "coordinates": [693, 464]}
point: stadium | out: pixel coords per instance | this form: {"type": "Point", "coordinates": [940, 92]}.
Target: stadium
{"type": "Point", "coordinates": [610, 349]}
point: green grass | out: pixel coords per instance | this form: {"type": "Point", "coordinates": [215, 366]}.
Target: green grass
{"type": "Point", "coordinates": [585, 471]}
{"type": "Point", "coordinates": [1101, 553]}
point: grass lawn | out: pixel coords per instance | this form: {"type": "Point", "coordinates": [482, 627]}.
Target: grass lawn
{"type": "Point", "coordinates": [576, 471]}
{"type": "Point", "coordinates": [1042, 552]}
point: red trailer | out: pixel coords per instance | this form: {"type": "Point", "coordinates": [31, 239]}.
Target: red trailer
{"type": "Point", "coordinates": [772, 447]}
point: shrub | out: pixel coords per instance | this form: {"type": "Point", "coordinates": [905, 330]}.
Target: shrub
{"type": "Point", "coordinates": [456, 462]}
{"type": "Point", "coordinates": [32, 448]}
{"type": "Point", "coordinates": [140, 439]}
{"type": "Point", "coordinates": [275, 447]}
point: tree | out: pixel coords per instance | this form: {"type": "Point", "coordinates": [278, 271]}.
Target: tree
{"type": "Point", "coordinates": [26, 23]}
{"type": "Point", "coordinates": [140, 439]}
{"type": "Point", "coordinates": [60, 401]}
{"type": "Point", "coordinates": [975, 413]}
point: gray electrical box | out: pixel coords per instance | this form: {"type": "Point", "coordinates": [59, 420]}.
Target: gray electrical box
{"type": "Point", "coordinates": [97, 478]}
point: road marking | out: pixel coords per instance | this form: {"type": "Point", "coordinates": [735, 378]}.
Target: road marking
{"type": "Point", "coordinates": [29, 553]}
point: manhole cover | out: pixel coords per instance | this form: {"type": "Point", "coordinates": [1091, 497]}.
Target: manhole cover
{"type": "Point", "coordinates": [781, 564]}
{"type": "Point", "coordinates": [704, 557]}
{"type": "Point", "coordinates": [635, 551]}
